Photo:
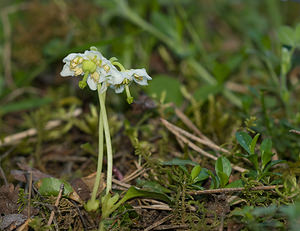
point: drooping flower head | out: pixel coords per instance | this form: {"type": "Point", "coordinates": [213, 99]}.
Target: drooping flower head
{"type": "Point", "coordinates": [97, 70]}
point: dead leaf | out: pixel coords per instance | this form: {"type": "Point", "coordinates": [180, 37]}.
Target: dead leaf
{"type": "Point", "coordinates": [12, 221]}
{"type": "Point", "coordinates": [9, 195]}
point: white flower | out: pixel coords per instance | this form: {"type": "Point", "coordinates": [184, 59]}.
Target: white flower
{"type": "Point", "coordinates": [77, 64]}
{"type": "Point", "coordinates": [109, 75]}
{"type": "Point", "coordinates": [139, 76]}
{"type": "Point", "coordinates": [96, 69]}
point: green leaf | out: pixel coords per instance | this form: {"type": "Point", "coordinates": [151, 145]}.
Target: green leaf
{"type": "Point", "coordinates": [266, 152]}
{"type": "Point", "coordinates": [223, 179]}
{"type": "Point", "coordinates": [253, 143]}
{"type": "Point", "coordinates": [223, 170]}
{"type": "Point", "coordinates": [195, 171]}
{"type": "Point", "coordinates": [179, 162]}
{"type": "Point", "coordinates": [273, 163]}
{"type": "Point", "coordinates": [286, 36]}
{"type": "Point", "coordinates": [162, 84]}
{"type": "Point", "coordinates": [254, 160]}
{"type": "Point", "coordinates": [88, 148]}
{"type": "Point", "coordinates": [134, 192]}
{"type": "Point", "coordinates": [203, 175]}
{"type": "Point", "coordinates": [236, 184]}
{"type": "Point", "coordinates": [50, 187]}
{"type": "Point", "coordinates": [203, 92]}
{"type": "Point", "coordinates": [152, 186]}
{"type": "Point", "coordinates": [24, 105]}
{"type": "Point", "coordinates": [244, 140]}
{"type": "Point", "coordinates": [297, 34]}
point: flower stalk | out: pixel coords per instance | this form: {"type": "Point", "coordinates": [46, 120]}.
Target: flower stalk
{"type": "Point", "coordinates": [101, 97]}
{"type": "Point", "coordinates": [100, 73]}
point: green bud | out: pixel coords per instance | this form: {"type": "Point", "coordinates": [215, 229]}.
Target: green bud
{"type": "Point", "coordinates": [82, 84]}
{"type": "Point", "coordinates": [89, 66]}
{"type": "Point", "coordinates": [130, 100]}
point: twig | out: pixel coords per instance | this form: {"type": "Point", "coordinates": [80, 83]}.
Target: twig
{"type": "Point", "coordinates": [155, 207]}
{"type": "Point", "coordinates": [229, 190]}
{"type": "Point", "coordinates": [198, 149]}
{"type": "Point", "coordinates": [193, 137]}
{"type": "Point", "coordinates": [121, 183]}
{"type": "Point", "coordinates": [32, 131]}
{"type": "Point", "coordinates": [158, 222]}
{"type": "Point", "coordinates": [29, 195]}
{"type": "Point", "coordinates": [7, 40]}
{"type": "Point", "coordinates": [171, 227]}
{"type": "Point", "coordinates": [134, 175]}
{"type": "Point", "coordinates": [61, 189]}
{"type": "Point", "coordinates": [190, 124]}
{"type": "Point", "coordinates": [80, 215]}
{"type": "Point", "coordinates": [295, 131]}
{"type": "Point", "coordinates": [3, 176]}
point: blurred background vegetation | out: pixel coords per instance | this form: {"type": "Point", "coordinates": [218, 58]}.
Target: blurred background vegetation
{"type": "Point", "coordinates": [193, 50]}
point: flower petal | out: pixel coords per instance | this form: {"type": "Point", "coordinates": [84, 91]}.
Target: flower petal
{"type": "Point", "coordinates": [118, 88]}
{"type": "Point", "coordinates": [103, 87]}
{"type": "Point", "coordinates": [90, 81]}
{"type": "Point", "coordinates": [92, 54]}
{"type": "Point", "coordinates": [143, 76]}
{"type": "Point", "coordinates": [66, 71]}
{"type": "Point", "coordinates": [70, 57]}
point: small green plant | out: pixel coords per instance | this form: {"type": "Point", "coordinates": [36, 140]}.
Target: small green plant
{"type": "Point", "coordinates": [99, 74]}
{"type": "Point", "coordinates": [290, 40]}
{"type": "Point", "coordinates": [261, 163]}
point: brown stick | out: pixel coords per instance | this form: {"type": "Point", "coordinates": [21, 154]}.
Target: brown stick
{"type": "Point", "coordinates": [32, 131]}
{"type": "Point", "coordinates": [190, 124]}
{"type": "Point", "coordinates": [229, 190]}
{"type": "Point", "coordinates": [61, 189]}
{"type": "Point", "coordinates": [29, 196]}
{"type": "Point", "coordinates": [198, 149]}
{"type": "Point", "coordinates": [295, 131]}
{"type": "Point", "coordinates": [195, 138]}
{"type": "Point", "coordinates": [158, 223]}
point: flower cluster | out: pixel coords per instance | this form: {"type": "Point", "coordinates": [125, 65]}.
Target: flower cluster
{"type": "Point", "coordinates": [96, 69]}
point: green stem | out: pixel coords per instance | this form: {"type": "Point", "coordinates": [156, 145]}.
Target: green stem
{"type": "Point", "coordinates": [122, 68]}
{"type": "Point", "coordinates": [100, 157]}
{"type": "Point", "coordinates": [107, 139]}
{"type": "Point", "coordinates": [129, 97]}
{"type": "Point", "coordinates": [101, 226]}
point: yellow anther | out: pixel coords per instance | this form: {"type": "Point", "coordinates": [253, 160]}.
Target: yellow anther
{"type": "Point", "coordinates": [125, 81]}
{"type": "Point", "coordinates": [106, 68]}
{"type": "Point", "coordinates": [98, 62]}
{"type": "Point", "coordinates": [78, 71]}
{"type": "Point", "coordinates": [138, 77]}
{"type": "Point", "coordinates": [80, 60]}
{"type": "Point", "coordinates": [73, 64]}
{"type": "Point", "coordinates": [95, 76]}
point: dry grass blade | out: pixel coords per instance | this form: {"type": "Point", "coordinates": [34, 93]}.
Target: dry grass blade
{"type": "Point", "coordinates": [56, 204]}
{"type": "Point", "coordinates": [229, 190]}
{"type": "Point", "coordinates": [127, 186]}
{"type": "Point", "coordinates": [158, 223]}
{"type": "Point", "coordinates": [134, 174]}
{"type": "Point", "coordinates": [195, 147]}
{"type": "Point", "coordinates": [190, 124]}
{"type": "Point", "coordinates": [295, 131]}
{"type": "Point", "coordinates": [154, 207]}
{"type": "Point", "coordinates": [32, 131]}
{"type": "Point", "coordinates": [195, 138]}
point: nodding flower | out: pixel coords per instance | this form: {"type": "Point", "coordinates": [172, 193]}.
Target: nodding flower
{"type": "Point", "coordinates": [96, 69]}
